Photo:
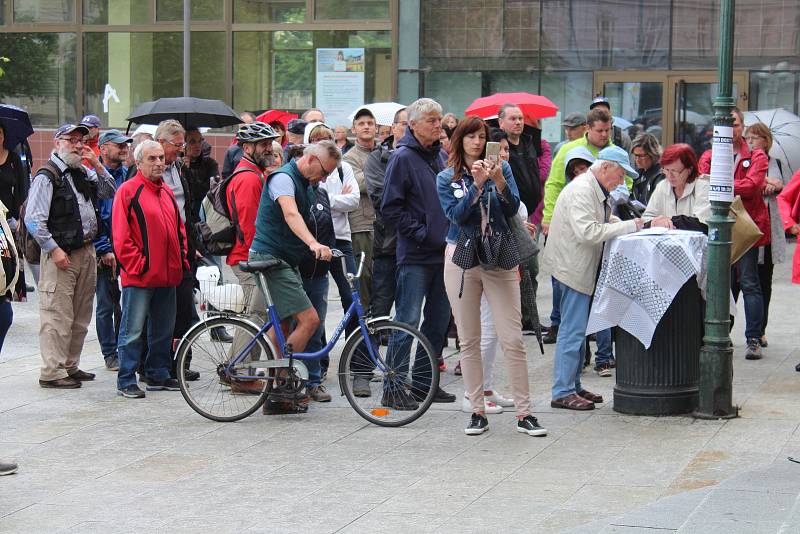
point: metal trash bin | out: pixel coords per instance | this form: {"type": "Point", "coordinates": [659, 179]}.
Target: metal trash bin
{"type": "Point", "coordinates": [663, 380]}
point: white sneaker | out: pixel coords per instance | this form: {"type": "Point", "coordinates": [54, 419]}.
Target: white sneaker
{"type": "Point", "coordinates": [499, 399]}
{"type": "Point", "coordinates": [488, 406]}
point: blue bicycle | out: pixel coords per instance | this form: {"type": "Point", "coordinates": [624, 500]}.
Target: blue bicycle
{"type": "Point", "coordinates": [393, 364]}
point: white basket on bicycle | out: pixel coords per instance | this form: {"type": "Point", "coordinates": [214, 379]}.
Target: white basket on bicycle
{"type": "Point", "coordinates": [215, 297]}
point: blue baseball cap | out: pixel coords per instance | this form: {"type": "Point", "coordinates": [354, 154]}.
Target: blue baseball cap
{"type": "Point", "coordinates": [114, 136]}
{"type": "Point", "coordinates": [66, 129]}
{"type": "Point", "coordinates": [92, 121]}
{"type": "Point", "coordinates": [618, 156]}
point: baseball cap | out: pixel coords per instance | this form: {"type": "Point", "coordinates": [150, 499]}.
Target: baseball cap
{"type": "Point", "coordinates": [66, 129]}
{"type": "Point", "coordinates": [92, 121]}
{"type": "Point", "coordinates": [579, 152]}
{"type": "Point", "coordinates": [576, 118]}
{"type": "Point", "coordinates": [619, 156]}
{"type": "Point", "coordinates": [296, 126]}
{"type": "Point", "coordinates": [599, 100]}
{"type": "Point", "coordinates": [361, 113]}
{"type": "Point", "coordinates": [114, 136]}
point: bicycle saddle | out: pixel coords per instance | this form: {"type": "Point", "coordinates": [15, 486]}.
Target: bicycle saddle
{"type": "Point", "coordinates": [256, 266]}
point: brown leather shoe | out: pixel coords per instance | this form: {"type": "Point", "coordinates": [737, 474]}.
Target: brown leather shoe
{"type": "Point", "coordinates": [83, 376]}
{"type": "Point", "coordinates": [61, 383]}
{"type": "Point", "coordinates": [247, 387]}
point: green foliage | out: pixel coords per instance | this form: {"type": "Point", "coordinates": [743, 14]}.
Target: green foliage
{"type": "Point", "coordinates": [3, 59]}
{"type": "Point", "coordinates": [32, 72]}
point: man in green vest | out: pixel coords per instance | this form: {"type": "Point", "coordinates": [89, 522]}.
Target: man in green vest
{"type": "Point", "coordinates": [282, 233]}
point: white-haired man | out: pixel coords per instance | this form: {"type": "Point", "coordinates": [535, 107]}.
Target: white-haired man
{"type": "Point", "coordinates": [61, 218]}
{"type": "Point", "coordinates": [581, 224]}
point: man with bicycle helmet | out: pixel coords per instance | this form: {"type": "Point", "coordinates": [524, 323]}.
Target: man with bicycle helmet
{"type": "Point", "coordinates": [243, 194]}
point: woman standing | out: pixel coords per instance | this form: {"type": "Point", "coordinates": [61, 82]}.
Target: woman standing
{"type": "Point", "coordinates": [647, 154]}
{"type": "Point", "coordinates": [13, 192]}
{"type": "Point", "coordinates": [472, 190]}
{"type": "Point", "coordinates": [759, 136]}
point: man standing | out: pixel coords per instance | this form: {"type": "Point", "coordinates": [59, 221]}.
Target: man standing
{"type": "Point", "coordinates": [411, 203]}
{"type": "Point", "coordinates": [574, 128]}
{"type": "Point", "coordinates": [114, 149]}
{"type": "Point", "coordinates": [150, 244]}
{"type": "Point", "coordinates": [618, 136]}
{"type": "Point", "coordinates": [199, 170]}
{"type": "Point", "coordinates": [61, 218]}
{"type": "Point", "coordinates": [92, 123]}
{"type": "Point", "coordinates": [580, 226]}
{"type": "Point", "coordinates": [363, 217]}
{"type": "Point", "coordinates": [749, 179]}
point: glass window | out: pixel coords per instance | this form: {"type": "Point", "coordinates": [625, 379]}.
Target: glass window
{"type": "Point", "coordinates": [40, 76]}
{"type": "Point", "coordinates": [2, 12]}
{"type": "Point", "coordinates": [637, 106]}
{"type": "Point", "coordinates": [570, 91]}
{"type": "Point", "coordinates": [453, 31]}
{"type": "Point", "coordinates": [112, 12]}
{"type": "Point", "coordinates": [265, 11]}
{"type": "Point", "coordinates": [276, 69]}
{"type": "Point", "coordinates": [44, 11]}
{"type": "Point", "coordinates": [172, 10]}
{"type": "Point", "coordinates": [145, 66]}
{"type": "Point", "coordinates": [351, 9]}
{"type": "Point", "coordinates": [454, 90]}
{"type": "Point", "coordinates": [769, 90]}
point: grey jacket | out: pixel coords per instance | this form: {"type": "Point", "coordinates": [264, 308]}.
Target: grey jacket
{"type": "Point", "coordinates": [362, 217]}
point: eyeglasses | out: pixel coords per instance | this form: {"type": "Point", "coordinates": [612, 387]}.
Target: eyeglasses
{"type": "Point", "coordinates": [753, 137]}
{"type": "Point", "coordinates": [674, 172]}
{"type": "Point", "coordinates": [176, 145]}
{"type": "Point", "coordinates": [640, 156]}
{"type": "Point", "coordinates": [73, 140]}
{"type": "Point", "coordinates": [326, 171]}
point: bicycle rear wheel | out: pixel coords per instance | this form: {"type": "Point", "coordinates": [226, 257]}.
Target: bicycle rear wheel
{"type": "Point", "coordinates": [401, 387]}
{"type": "Point", "coordinates": [218, 395]}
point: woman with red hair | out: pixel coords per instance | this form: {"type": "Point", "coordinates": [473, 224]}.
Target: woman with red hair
{"type": "Point", "coordinates": [682, 199]}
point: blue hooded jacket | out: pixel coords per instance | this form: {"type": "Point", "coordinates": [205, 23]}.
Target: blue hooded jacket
{"type": "Point", "coordinates": [411, 203]}
{"type": "Point", "coordinates": [102, 243]}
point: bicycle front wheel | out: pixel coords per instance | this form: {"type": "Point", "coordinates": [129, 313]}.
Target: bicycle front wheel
{"type": "Point", "coordinates": [221, 394]}
{"type": "Point", "coordinates": [397, 385]}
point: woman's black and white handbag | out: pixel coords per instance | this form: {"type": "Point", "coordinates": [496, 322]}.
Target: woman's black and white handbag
{"type": "Point", "coordinates": [496, 249]}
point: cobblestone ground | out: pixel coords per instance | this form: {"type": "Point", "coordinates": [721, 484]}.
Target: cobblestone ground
{"type": "Point", "coordinates": [91, 461]}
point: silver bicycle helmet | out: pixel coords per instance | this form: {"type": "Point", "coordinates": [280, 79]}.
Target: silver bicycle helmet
{"type": "Point", "coordinates": [255, 132]}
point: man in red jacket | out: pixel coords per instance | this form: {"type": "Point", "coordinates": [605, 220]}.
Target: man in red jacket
{"type": "Point", "coordinates": [150, 246]}
{"type": "Point", "coordinates": [749, 179]}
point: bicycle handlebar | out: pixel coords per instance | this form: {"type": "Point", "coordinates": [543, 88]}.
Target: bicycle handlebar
{"type": "Point", "coordinates": [336, 253]}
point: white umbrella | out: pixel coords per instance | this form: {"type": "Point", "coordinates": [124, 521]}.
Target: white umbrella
{"type": "Point", "coordinates": [785, 128]}
{"type": "Point", "coordinates": [622, 123]}
{"type": "Point", "coordinates": [382, 111]}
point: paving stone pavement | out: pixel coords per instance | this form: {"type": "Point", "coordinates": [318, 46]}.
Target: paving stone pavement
{"type": "Point", "coordinates": [92, 462]}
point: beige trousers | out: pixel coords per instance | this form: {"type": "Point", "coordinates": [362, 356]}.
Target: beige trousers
{"type": "Point", "coordinates": [502, 293]}
{"type": "Point", "coordinates": [256, 311]}
{"type": "Point", "coordinates": [66, 298]}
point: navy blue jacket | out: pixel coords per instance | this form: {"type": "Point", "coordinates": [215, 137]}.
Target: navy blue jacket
{"type": "Point", "coordinates": [102, 243]}
{"type": "Point", "coordinates": [411, 203]}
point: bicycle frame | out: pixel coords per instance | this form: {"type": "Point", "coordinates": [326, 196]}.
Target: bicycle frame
{"type": "Point", "coordinates": [355, 308]}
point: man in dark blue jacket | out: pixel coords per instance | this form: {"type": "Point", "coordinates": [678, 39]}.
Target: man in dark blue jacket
{"type": "Point", "coordinates": [411, 204]}
{"type": "Point", "coordinates": [114, 149]}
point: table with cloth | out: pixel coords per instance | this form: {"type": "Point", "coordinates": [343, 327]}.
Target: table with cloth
{"type": "Point", "coordinates": [649, 286]}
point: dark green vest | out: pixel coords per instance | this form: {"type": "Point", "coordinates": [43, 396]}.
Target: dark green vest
{"type": "Point", "coordinates": [273, 236]}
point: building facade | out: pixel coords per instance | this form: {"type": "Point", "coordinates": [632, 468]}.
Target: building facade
{"type": "Point", "coordinates": [655, 59]}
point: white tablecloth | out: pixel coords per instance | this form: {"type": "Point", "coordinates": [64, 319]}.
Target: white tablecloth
{"type": "Point", "coordinates": [640, 275]}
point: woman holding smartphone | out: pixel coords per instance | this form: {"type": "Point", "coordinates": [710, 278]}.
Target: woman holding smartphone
{"type": "Point", "coordinates": [476, 190]}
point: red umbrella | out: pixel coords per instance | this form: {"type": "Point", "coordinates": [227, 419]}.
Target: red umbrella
{"type": "Point", "coordinates": [532, 106]}
{"type": "Point", "coordinates": [273, 115]}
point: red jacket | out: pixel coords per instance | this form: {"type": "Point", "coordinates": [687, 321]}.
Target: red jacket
{"type": "Point", "coordinates": [244, 193]}
{"type": "Point", "coordinates": [749, 179]}
{"type": "Point", "coordinates": [149, 236]}
{"type": "Point", "coordinates": [789, 204]}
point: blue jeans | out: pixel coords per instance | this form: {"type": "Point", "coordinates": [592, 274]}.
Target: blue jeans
{"type": "Point", "coordinates": [6, 318]}
{"type": "Point", "coordinates": [605, 347]}
{"type": "Point", "coordinates": [555, 313]}
{"type": "Point", "coordinates": [108, 311]}
{"type": "Point", "coordinates": [341, 281]}
{"type": "Point", "coordinates": [317, 291]}
{"type": "Point", "coordinates": [415, 284]}
{"type": "Point", "coordinates": [571, 341]}
{"type": "Point", "coordinates": [747, 270]}
{"type": "Point", "coordinates": [156, 307]}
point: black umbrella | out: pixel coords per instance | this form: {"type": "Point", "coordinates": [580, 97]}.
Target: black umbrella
{"type": "Point", "coordinates": [16, 124]}
{"type": "Point", "coordinates": [189, 111]}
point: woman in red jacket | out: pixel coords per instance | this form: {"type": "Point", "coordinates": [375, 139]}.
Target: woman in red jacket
{"type": "Point", "coordinates": [150, 246]}
{"type": "Point", "coordinates": [789, 205]}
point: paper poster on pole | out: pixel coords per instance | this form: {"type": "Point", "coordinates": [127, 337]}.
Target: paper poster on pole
{"type": "Point", "coordinates": [340, 83]}
{"type": "Point", "coordinates": [721, 187]}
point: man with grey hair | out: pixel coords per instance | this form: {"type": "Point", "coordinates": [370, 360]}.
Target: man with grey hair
{"type": "Point", "coordinates": [61, 218]}
{"type": "Point", "coordinates": [581, 223]}
{"type": "Point", "coordinates": [150, 245]}
{"type": "Point", "coordinates": [281, 233]}
{"type": "Point", "coordinates": [411, 203]}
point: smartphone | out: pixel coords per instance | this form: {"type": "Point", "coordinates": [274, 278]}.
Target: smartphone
{"type": "Point", "coordinates": [493, 152]}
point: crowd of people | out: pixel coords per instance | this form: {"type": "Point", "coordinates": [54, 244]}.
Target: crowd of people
{"type": "Point", "coordinates": [435, 215]}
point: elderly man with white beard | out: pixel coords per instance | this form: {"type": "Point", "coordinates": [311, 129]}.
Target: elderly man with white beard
{"type": "Point", "coordinates": [61, 218]}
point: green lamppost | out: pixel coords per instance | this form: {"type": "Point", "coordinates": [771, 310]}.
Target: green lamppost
{"type": "Point", "coordinates": [716, 356]}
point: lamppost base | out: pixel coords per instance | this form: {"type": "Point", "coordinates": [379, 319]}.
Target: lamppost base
{"type": "Point", "coordinates": [711, 417]}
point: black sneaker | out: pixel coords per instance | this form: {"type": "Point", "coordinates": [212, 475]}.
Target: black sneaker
{"type": "Point", "coordinates": [478, 424]}
{"type": "Point", "coordinates": [399, 399]}
{"type": "Point", "coordinates": [551, 336]}
{"type": "Point", "coordinates": [218, 333]}
{"type": "Point", "coordinates": [440, 396]}
{"type": "Point", "coordinates": [529, 425]}
{"type": "Point", "coordinates": [753, 349]}
{"type": "Point", "coordinates": [190, 375]}
{"type": "Point", "coordinates": [112, 363]}
{"type": "Point", "coordinates": [170, 384]}
{"type": "Point", "coordinates": [131, 392]}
